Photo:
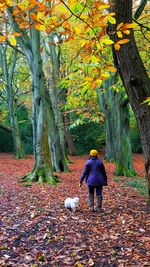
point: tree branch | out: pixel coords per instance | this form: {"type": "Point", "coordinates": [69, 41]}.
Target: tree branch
{"type": "Point", "coordinates": [140, 9]}
{"type": "Point", "coordinates": [6, 128]}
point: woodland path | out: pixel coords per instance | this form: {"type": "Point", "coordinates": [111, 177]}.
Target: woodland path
{"type": "Point", "coordinates": [36, 230]}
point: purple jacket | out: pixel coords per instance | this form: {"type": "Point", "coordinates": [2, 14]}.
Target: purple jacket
{"type": "Point", "coordinates": [94, 172]}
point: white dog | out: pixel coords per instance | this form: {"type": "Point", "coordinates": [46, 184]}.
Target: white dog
{"type": "Point", "coordinates": [71, 203]}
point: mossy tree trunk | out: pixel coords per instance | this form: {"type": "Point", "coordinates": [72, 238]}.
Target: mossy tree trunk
{"type": "Point", "coordinates": [8, 74]}
{"type": "Point", "coordinates": [107, 102]}
{"type": "Point", "coordinates": [135, 78]}
{"type": "Point", "coordinates": [45, 132]}
{"type": "Point", "coordinates": [52, 73]}
{"type": "Point", "coordinates": [123, 151]}
{"type": "Point", "coordinates": [118, 144]}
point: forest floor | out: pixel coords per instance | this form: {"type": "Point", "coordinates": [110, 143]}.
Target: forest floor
{"type": "Point", "coordinates": [36, 230]}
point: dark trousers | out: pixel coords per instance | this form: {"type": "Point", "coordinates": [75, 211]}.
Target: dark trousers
{"type": "Point", "coordinates": [98, 189]}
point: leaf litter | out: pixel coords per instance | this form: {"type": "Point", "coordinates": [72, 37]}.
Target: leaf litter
{"type": "Point", "coordinates": [36, 230]}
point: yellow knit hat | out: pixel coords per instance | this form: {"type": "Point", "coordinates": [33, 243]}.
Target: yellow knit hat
{"type": "Point", "coordinates": [93, 153]}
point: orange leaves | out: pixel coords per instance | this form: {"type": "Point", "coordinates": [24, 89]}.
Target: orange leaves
{"type": "Point", "coordinates": [24, 24]}
{"type": "Point", "coordinates": [117, 44]}
{"type": "Point", "coordinates": [3, 38]}
{"type": "Point", "coordinates": [34, 2]}
{"type": "Point", "coordinates": [33, 16]}
{"type": "Point", "coordinates": [5, 4]}
{"type": "Point", "coordinates": [111, 68]}
{"type": "Point", "coordinates": [123, 41]}
{"type": "Point", "coordinates": [10, 37]}
{"type": "Point", "coordinates": [17, 34]}
{"type": "Point", "coordinates": [123, 28]}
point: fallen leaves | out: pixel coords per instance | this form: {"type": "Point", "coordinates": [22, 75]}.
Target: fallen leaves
{"type": "Point", "coordinates": [36, 230]}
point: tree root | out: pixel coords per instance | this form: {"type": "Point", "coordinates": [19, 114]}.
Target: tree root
{"type": "Point", "coordinates": [41, 176]}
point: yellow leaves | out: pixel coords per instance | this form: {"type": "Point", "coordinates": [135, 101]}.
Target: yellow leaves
{"type": "Point", "coordinates": [83, 42]}
{"type": "Point", "coordinates": [119, 25]}
{"type": "Point", "coordinates": [119, 34]}
{"type": "Point", "coordinates": [8, 2]}
{"type": "Point", "coordinates": [106, 41]}
{"type": "Point", "coordinates": [111, 20]}
{"type": "Point", "coordinates": [147, 101]}
{"type": "Point", "coordinates": [39, 27]}
{"type": "Point", "coordinates": [94, 59]}
{"type": "Point", "coordinates": [10, 37]}
{"type": "Point", "coordinates": [123, 28]}
{"type": "Point", "coordinates": [105, 75]}
{"type": "Point", "coordinates": [71, 2]}
{"type": "Point", "coordinates": [5, 4]}
{"type": "Point", "coordinates": [12, 40]}
{"type": "Point", "coordinates": [77, 30]}
{"type": "Point", "coordinates": [79, 264]}
{"type": "Point", "coordinates": [102, 6]}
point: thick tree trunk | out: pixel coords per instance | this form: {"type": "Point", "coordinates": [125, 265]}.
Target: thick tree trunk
{"type": "Point", "coordinates": [107, 101]}
{"type": "Point", "coordinates": [42, 112]}
{"type": "Point", "coordinates": [8, 73]}
{"type": "Point", "coordinates": [135, 79]}
{"type": "Point", "coordinates": [118, 144]}
{"type": "Point", "coordinates": [123, 153]}
{"type": "Point", "coordinates": [58, 94]}
{"type": "Point", "coordinates": [57, 144]}
{"type": "Point", "coordinates": [46, 136]}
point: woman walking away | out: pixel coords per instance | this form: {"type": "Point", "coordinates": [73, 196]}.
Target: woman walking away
{"type": "Point", "coordinates": [95, 175]}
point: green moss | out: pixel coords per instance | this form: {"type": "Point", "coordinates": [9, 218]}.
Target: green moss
{"type": "Point", "coordinates": [138, 184]}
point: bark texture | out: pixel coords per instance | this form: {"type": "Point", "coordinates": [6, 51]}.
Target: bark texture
{"type": "Point", "coordinates": [135, 78]}
{"type": "Point", "coordinates": [42, 112]}
{"type": "Point", "coordinates": [8, 74]}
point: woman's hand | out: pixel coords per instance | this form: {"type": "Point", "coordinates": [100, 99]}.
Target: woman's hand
{"type": "Point", "coordinates": [80, 184]}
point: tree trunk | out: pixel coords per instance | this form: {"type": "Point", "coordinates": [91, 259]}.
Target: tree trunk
{"type": "Point", "coordinates": [42, 112]}
{"type": "Point", "coordinates": [135, 79]}
{"type": "Point", "coordinates": [68, 137]}
{"type": "Point", "coordinates": [118, 144]}
{"type": "Point", "coordinates": [123, 151]}
{"type": "Point", "coordinates": [46, 137]}
{"type": "Point", "coordinates": [8, 73]}
{"type": "Point", "coordinates": [107, 101]}
{"type": "Point", "coordinates": [59, 124]}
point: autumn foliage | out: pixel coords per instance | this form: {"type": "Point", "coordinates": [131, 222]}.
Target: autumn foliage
{"type": "Point", "coordinates": [84, 21]}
